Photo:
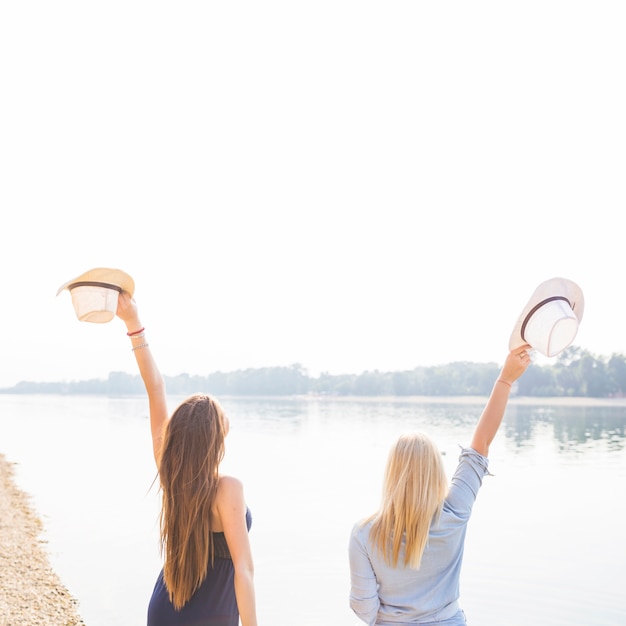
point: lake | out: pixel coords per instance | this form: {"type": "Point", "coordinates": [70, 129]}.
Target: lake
{"type": "Point", "coordinates": [545, 546]}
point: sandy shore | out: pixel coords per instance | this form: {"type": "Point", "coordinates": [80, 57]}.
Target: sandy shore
{"type": "Point", "coordinates": [30, 591]}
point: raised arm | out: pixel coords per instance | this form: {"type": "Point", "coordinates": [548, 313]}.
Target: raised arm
{"type": "Point", "coordinates": [515, 365]}
{"type": "Point", "coordinates": [150, 374]}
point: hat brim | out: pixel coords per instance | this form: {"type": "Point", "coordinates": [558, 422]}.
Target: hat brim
{"type": "Point", "coordinates": [560, 288]}
{"type": "Point", "coordinates": [102, 277]}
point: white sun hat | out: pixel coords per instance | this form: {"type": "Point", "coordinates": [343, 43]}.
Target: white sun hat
{"type": "Point", "coordinates": [95, 292]}
{"type": "Point", "coordinates": [549, 321]}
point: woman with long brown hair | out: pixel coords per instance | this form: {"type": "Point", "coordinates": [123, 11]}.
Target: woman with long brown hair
{"type": "Point", "coordinates": [207, 575]}
{"type": "Point", "coordinates": [405, 559]}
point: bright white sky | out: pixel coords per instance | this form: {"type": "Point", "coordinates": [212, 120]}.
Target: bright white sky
{"type": "Point", "coordinates": [345, 185]}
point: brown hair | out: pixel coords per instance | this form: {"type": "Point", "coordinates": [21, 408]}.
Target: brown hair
{"type": "Point", "coordinates": [193, 447]}
{"type": "Point", "coordinates": [414, 489]}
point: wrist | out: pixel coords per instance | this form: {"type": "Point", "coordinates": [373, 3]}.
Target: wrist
{"type": "Point", "coordinates": [133, 325]}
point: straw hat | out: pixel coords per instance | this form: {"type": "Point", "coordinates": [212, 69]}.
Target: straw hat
{"type": "Point", "coordinates": [549, 321]}
{"type": "Point", "coordinates": [94, 293]}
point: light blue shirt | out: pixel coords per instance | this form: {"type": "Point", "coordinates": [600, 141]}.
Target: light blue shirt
{"type": "Point", "coordinates": [383, 595]}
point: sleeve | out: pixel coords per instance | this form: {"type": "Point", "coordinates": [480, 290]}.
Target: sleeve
{"type": "Point", "coordinates": [466, 482]}
{"type": "Point", "coordinates": [364, 599]}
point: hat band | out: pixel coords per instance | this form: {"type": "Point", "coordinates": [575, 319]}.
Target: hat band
{"type": "Point", "coordinates": [538, 306]}
{"type": "Point", "coordinates": [90, 283]}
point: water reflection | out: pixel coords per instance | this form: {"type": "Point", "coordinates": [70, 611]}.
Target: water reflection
{"type": "Point", "coordinates": [572, 427]}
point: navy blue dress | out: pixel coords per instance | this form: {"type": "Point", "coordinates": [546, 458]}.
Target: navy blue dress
{"type": "Point", "coordinates": [214, 602]}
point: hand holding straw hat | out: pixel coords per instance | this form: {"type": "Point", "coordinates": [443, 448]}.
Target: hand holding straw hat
{"type": "Point", "coordinates": [549, 321]}
{"type": "Point", "coordinates": [95, 292]}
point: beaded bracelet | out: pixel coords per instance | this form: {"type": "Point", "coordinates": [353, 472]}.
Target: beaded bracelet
{"type": "Point", "coordinates": [139, 336]}
{"type": "Point", "coordinates": [141, 345]}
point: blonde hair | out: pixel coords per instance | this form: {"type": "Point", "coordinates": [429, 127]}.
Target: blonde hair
{"type": "Point", "coordinates": [193, 447]}
{"type": "Point", "coordinates": [415, 488]}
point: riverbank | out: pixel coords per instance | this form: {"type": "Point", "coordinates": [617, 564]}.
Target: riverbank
{"type": "Point", "coordinates": [567, 401]}
{"type": "Point", "coordinates": [31, 592]}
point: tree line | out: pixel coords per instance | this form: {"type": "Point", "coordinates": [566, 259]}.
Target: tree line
{"type": "Point", "coordinates": [575, 373]}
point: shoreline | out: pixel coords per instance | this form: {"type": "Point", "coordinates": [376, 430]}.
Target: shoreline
{"type": "Point", "coordinates": [32, 593]}
{"type": "Point", "coordinates": [569, 401]}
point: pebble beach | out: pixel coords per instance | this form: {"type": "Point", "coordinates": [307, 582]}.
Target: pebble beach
{"type": "Point", "coordinates": [31, 593]}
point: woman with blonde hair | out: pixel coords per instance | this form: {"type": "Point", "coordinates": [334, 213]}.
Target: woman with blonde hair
{"type": "Point", "coordinates": [405, 559]}
{"type": "Point", "coordinates": [207, 575]}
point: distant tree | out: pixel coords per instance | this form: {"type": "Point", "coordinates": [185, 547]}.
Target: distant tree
{"type": "Point", "coordinates": [402, 383]}
{"type": "Point", "coordinates": [537, 381]}
{"type": "Point", "coordinates": [567, 373]}
{"type": "Point", "coordinates": [373, 384]}
{"type": "Point", "coordinates": [616, 374]}
{"type": "Point", "coordinates": [576, 372]}
{"type": "Point", "coordinates": [592, 374]}
{"type": "Point", "coordinates": [121, 383]}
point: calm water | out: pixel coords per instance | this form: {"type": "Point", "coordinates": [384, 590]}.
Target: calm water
{"type": "Point", "coordinates": [546, 544]}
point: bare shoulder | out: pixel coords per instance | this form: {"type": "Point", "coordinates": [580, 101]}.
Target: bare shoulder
{"type": "Point", "coordinates": [229, 487]}
{"type": "Point", "coordinates": [230, 482]}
